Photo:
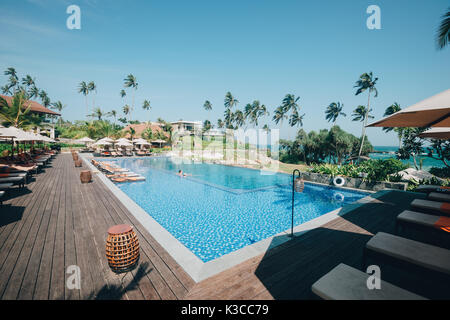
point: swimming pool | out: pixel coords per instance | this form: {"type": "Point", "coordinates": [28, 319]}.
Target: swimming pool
{"type": "Point", "coordinates": [221, 209]}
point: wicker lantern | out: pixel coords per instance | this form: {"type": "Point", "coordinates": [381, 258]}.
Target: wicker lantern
{"type": "Point", "coordinates": [122, 248]}
{"type": "Point", "coordinates": [78, 163]}
{"type": "Point", "coordinates": [299, 184]}
{"type": "Point", "coordinates": [85, 176]}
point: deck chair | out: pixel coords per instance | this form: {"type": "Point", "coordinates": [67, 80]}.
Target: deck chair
{"type": "Point", "coordinates": [409, 252]}
{"type": "Point", "coordinates": [347, 283]}
{"type": "Point", "coordinates": [15, 180]}
{"type": "Point", "coordinates": [432, 188]}
{"type": "Point", "coordinates": [2, 193]}
{"type": "Point", "coordinates": [424, 221]}
{"type": "Point", "coordinates": [5, 186]}
{"type": "Point", "coordinates": [439, 196]}
{"type": "Point", "coordinates": [435, 207]}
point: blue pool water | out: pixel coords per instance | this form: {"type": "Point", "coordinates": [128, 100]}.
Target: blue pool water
{"type": "Point", "coordinates": [221, 209]}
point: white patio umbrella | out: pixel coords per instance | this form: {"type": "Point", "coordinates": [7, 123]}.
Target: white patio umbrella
{"type": "Point", "coordinates": [7, 132]}
{"type": "Point", "coordinates": [141, 141]}
{"type": "Point", "coordinates": [85, 140]}
{"type": "Point", "coordinates": [107, 139]}
{"type": "Point", "coordinates": [437, 133]}
{"type": "Point", "coordinates": [124, 144]}
{"type": "Point", "coordinates": [431, 112]}
{"type": "Point", "coordinates": [160, 141]}
{"type": "Point", "coordinates": [123, 140]}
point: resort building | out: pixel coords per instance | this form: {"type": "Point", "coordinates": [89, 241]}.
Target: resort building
{"type": "Point", "coordinates": [143, 127]}
{"type": "Point", "coordinates": [183, 128]}
{"type": "Point", "coordinates": [46, 128]}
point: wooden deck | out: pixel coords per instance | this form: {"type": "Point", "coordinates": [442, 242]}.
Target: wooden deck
{"type": "Point", "coordinates": [57, 222]}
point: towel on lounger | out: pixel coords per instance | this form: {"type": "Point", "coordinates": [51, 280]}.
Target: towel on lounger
{"type": "Point", "coordinates": [445, 207]}
{"type": "Point", "coordinates": [443, 223]}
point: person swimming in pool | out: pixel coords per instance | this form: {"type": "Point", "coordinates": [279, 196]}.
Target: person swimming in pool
{"type": "Point", "coordinates": [182, 174]}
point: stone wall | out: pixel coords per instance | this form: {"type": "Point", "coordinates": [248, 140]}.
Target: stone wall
{"type": "Point", "coordinates": [356, 183]}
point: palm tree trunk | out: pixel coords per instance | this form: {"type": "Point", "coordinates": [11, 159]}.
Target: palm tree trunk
{"type": "Point", "coordinates": [364, 126]}
{"type": "Point", "coordinates": [87, 109]}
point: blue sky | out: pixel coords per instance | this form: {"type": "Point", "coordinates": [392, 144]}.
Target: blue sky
{"type": "Point", "coordinates": [184, 52]}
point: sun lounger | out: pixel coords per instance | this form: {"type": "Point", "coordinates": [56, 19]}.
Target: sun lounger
{"type": "Point", "coordinates": [4, 186]}
{"type": "Point", "coordinates": [15, 180]}
{"type": "Point", "coordinates": [128, 179]}
{"type": "Point", "coordinates": [426, 221]}
{"type": "Point", "coordinates": [2, 193]}
{"type": "Point", "coordinates": [347, 283]}
{"type": "Point", "coordinates": [436, 207]}
{"type": "Point", "coordinates": [439, 196]}
{"type": "Point", "coordinates": [432, 188]}
{"type": "Point", "coordinates": [410, 252]}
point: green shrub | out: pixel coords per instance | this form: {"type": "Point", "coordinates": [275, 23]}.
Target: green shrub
{"type": "Point", "coordinates": [441, 172]}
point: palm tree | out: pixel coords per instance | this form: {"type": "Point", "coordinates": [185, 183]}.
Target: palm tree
{"type": "Point", "coordinates": [146, 105]}
{"type": "Point", "coordinates": [266, 128]}
{"type": "Point", "coordinates": [59, 106]}
{"type": "Point", "coordinates": [13, 79]}
{"type": "Point", "coordinates": [393, 108]}
{"type": "Point", "coordinates": [366, 82]}
{"type": "Point", "coordinates": [229, 103]}
{"type": "Point", "coordinates": [132, 132]}
{"type": "Point", "coordinates": [289, 103]}
{"type": "Point", "coordinates": [207, 125]}
{"type": "Point", "coordinates": [84, 89]}
{"type": "Point", "coordinates": [112, 113]}
{"type": "Point", "coordinates": [126, 110]}
{"type": "Point", "coordinates": [220, 123]}
{"type": "Point", "coordinates": [92, 87]}
{"type": "Point", "coordinates": [33, 92]}
{"type": "Point", "coordinates": [443, 36]}
{"type": "Point", "coordinates": [131, 82]}
{"type": "Point", "coordinates": [254, 111]}
{"type": "Point", "coordinates": [17, 113]}
{"type": "Point", "coordinates": [207, 105]}
{"type": "Point", "coordinates": [98, 113]}
{"type": "Point", "coordinates": [333, 111]}
{"type": "Point", "coordinates": [360, 114]}
{"type": "Point", "coordinates": [28, 81]}
{"type": "Point", "coordinates": [238, 119]}
{"type": "Point", "coordinates": [6, 89]}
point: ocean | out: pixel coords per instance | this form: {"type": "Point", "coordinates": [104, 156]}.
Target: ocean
{"type": "Point", "coordinates": [427, 162]}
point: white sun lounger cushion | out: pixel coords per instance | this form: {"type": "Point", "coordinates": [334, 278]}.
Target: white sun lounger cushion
{"type": "Point", "coordinates": [427, 205]}
{"type": "Point", "coordinates": [432, 188]}
{"type": "Point", "coordinates": [414, 252]}
{"type": "Point", "coordinates": [347, 283]}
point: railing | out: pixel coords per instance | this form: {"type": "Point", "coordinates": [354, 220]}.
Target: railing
{"type": "Point", "coordinates": [293, 195]}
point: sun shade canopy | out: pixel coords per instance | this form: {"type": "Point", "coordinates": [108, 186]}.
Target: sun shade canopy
{"type": "Point", "coordinates": [437, 133]}
{"type": "Point", "coordinates": [431, 112]}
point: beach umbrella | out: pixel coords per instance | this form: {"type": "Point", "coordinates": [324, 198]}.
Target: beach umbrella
{"type": "Point", "coordinates": [437, 133]}
{"type": "Point", "coordinates": [124, 144]}
{"type": "Point", "coordinates": [107, 139]}
{"type": "Point", "coordinates": [159, 141]}
{"type": "Point", "coordinates": [431, 112]}
{"type": "Point", "coordinates": [141, 141]}
{"type": "Point", "coordinates": [85, 140]}
{"type": "Point", "coordinates": [123, 140]}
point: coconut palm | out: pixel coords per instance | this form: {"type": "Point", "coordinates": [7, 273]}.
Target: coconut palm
{"type": "Point", "coordinates": [254, 111]}
{"type": "Point", "coordinates": [229, 118]}
{"type": "Point", "coordinates": [46, 101]}
{"type": "Point", "coordinates": [238, 119]}
{"type": "Point", "coordinates": [360, 114]}
{"type": "Point", "coordinates": [58, 105]}
{"type": "Point", "coordinates": [131, 82]}
{"type": "Point", "coordinates": [289, 103]}
{"type": "Point", "coordinates": [393, 108]}
{"type": "Point", "coordinates": [207, 105]}
{"type": "Point", "coordinates": [92, 87]}
{"type": "Point", "coordinates": [98, 113]}
{"type": "Point", "coordinates": [13, 79]}
{"type": "Point", "coordinates": [17, 112]}
{"type": "Point", "coordinates": [33, 92]}
{"type": "Point", "coordinates": [443, 35]}
{"type": "Point", "coordinates": [146, 105]}
{"type": "Point", "coordinates": [333, 111]}
{"type": "Point", "coordinates": [122, 93]}
{"type": "Point", "coordinates": [84, 89]}
{"type": "Point", "coordinates": [6, 89]}
{"type": "Point", "coordinates": [230, 101]}
{"type": "Point", "coordinates": [126, 110]}
{"type": "Point", "coordinates": [28, 81]}
{"type": "Point", "coordinates": [365, 82]}
{"type": "Point", "coordinates": [220, 123]}
{"type": "Point", "coordinates": [112, 113]}
{"type": "Point", "coordinates": [266, 128]}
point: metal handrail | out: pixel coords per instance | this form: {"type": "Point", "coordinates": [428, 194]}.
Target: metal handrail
{"type": "Point", "coordinates": [293, 193]}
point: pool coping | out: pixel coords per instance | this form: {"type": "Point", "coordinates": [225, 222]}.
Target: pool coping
{"type": "Point", "coordinates": [193, 265]}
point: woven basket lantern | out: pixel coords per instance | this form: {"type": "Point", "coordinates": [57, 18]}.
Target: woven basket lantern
{"type": "Point", "coordinates": [122, 248]}
{"type": "Point", "coordinates": [85, 176]}
{"type": "Point", "coordinates": [299, 184]}
{"type": "Point", "coordinates": [78, 163]}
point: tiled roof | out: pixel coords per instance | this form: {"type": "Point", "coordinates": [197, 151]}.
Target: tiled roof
{"type": "Point", "coordinates": [35, 107]}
